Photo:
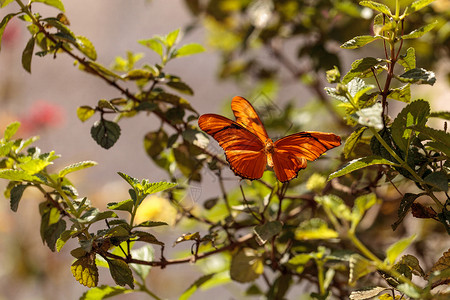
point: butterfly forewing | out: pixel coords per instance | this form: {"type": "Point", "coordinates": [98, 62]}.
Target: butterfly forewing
{"type": "Point", "coordinates": [247, 117]}
{"type": "Point", "coordinates": [243, 149]}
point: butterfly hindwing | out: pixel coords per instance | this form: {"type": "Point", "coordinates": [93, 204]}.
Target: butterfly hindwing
{"type": "Point", "coordinates": [243, 149]}
{"type": "Point", "coordinates": [292, 151]}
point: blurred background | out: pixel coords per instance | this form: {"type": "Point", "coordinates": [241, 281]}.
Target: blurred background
{"type": "Point", "coordinates": [46, 100]}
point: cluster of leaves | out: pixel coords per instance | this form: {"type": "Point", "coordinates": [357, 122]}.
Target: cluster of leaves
{"type": "Point", "coordinates": [24, 166]}
{"type": "Point", "coordinates": [305, 230]}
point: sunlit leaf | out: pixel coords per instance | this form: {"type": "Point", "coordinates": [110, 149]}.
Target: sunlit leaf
{"type": "Point", "coordinates": [371, 116]}
{"type": "Point", "coordinates": [408, 60]}
{"type": "Point", "coordinates": [86, 47]}
{"type": "Point", "coordinates": [353, 140]}
{"type": "Point", "coordinates": [85, 272]}
{"type": "Point", "coordinates": [360, 163]}
{"type": "Point", "coordinates": [367, 293]}
{"type": "Point", "coordinates": [314, 229]}
{"type": "Point", "coordinates": [377, 6]}
{"type": "Point", "coordinates": [195, 286]}
{"type": "Point", "coordinates": [418, 76]}
{"type": "Point", "coordinates": [362, 204]}
{"type": "Point", "coordinates": [55, 3]}
{"type": "Point", "coordinates": [393, 252]}
{"type": "Point", "coordinates": [420, 31]}
{"type": "Point", "coordinates": [359, 267]}
{"type": "Point", "coordinates": [85, 112]}
{"type": "Point", "coordinates": [188, 49]}
{"type": "Point", "coordinates": [145, 253]}
{"type": "Point", "coordinates": [246, 265]}
{"type": "Point", "coordinates": [103, 292]}
{"type": "Point", "coordinates": [415, 113]}
{"type": "Point", "coordinates": [359, 41]}
{"type": "Point", "coordinates": [360, 67]}
{"type": "Point", "coordinates": [417, 5]}
{"type": "Point", "coordinates": [76, 167]}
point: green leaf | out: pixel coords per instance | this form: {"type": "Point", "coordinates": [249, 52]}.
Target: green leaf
{"type": "Point", "coordinates": [171, 38]}
{"type": "Point", "coordinates": [188, 49]}
{"type": "Point", "coordinates": [63, 238]}
{"type": "Point", "coordinates": [418, 76]}
{"type": "Point", "coordinates": [145, 253]}
{"type": "Point", "coordinates": [195, 286]}
{"type": "Point", "coordinates": [417, 5]}
{"type": "Point", "coordinates": [105, 133]}
{"type": "Point", "coordinates": [361, 67]}
{"type": "Point", "coordinates": [121, 272]}
{"type": "Point", "coordinates": [85, 112]}
{"type": "Point", "coordinates": [299, 261]}
{"type": "Point", "coordinates": [155, 187]}
{"type": "Point", "coordinates": [50, 232]}
{"type": "Point", "coordinates": [420, 31]}
{"type": "Point", "coordinates": [359, 267]}
{"type": "Point", "coordinates": [357, 87]}
{"type": "Point", "coordinates": [55, 3]}
{"type": "Point", "coordinates": [407, 200]}
{"type": "Point", "coordinates": [314, 229]}
{"type": "Point", "coordinates": [438, 180]}
{"type": "Point", "coordinates": [104, 291]}
{"type": "Point", "coordinates": [4, 3]}
{"type": "Point", "coordinates": [181, 87]}
{"type": "Point", "coordinates": [11, 130]}
{"type": "Point", "coordinates": [16, 194]}
{"type": "Point", "coordinates": [246, 265]}
{"type": "Point", "coordinates": [408, 61]}
{"type": "Point", "coordinates": [34, 166]}
{"type": "Point", "coordinates": [437, 135]}
{"type": "Point", "coordinates": [353, 140]}
{"type": "Point", "coordinates": [76, 167]}
{"type": "Point", "coordinates": [445, 115]}
{"type": "Point", "coordinates": [336, 94]}
{"type": "Point", "coordinates": [415, 113]}
{"type": "Point", "coordinates": [126, 205]}
{"type": "Point", "coordinates": [334, 204]}
{"type": "Point", "coordinates": [265, 232]}
{"type": "Point", "coordinates": [409, 290]}
{"type": "Point", "coordinates": [367, 293]}
{"type": "Point", "coordinates": [153, 44]}
{"type": "Point", "coordinates": [27, 55]}
{"type": "Point", "coordinates": [377, 6]}
{"type": "Point", "coordinates": [18, 175]}
{"type": "Point", "coordinates": [362, 204]}
{"type": "Point", "coordinates": [85, 271]}
{"type": "Point", "coordinates": [360, 163]}
{"type": "Point", "coordinates": [4, 22]}
{"type": "Point", "coordinates": [86, 47]}
{"type": "Point", "coordinates": [151, 224]}
{"type": "Point", "coordinates": [401, 94]}
{"type": "Point", "coordinates": [371, 116]}
{"type": "Point", "coordinates": [396, 249]}
{"type": "Point", "coordinates": [359, 41]}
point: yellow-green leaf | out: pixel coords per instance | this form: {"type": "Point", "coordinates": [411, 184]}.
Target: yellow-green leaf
{"type": "Point", "coordinates": [84, 272]}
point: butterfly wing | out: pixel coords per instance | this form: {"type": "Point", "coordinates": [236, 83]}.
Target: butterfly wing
{"type": "Point", "coordinates": [243, 149]}
{"type": "Point", "coordinates": [247, 117]}
{"type": "Point", "coordinates": [291, 152]}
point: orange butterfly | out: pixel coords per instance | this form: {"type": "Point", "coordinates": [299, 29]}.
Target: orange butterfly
{"type": "Point", "coordinates": [249, 149]}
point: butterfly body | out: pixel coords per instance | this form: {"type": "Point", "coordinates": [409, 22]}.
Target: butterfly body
{"type": "Point", "coordinates": [249, 149]}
